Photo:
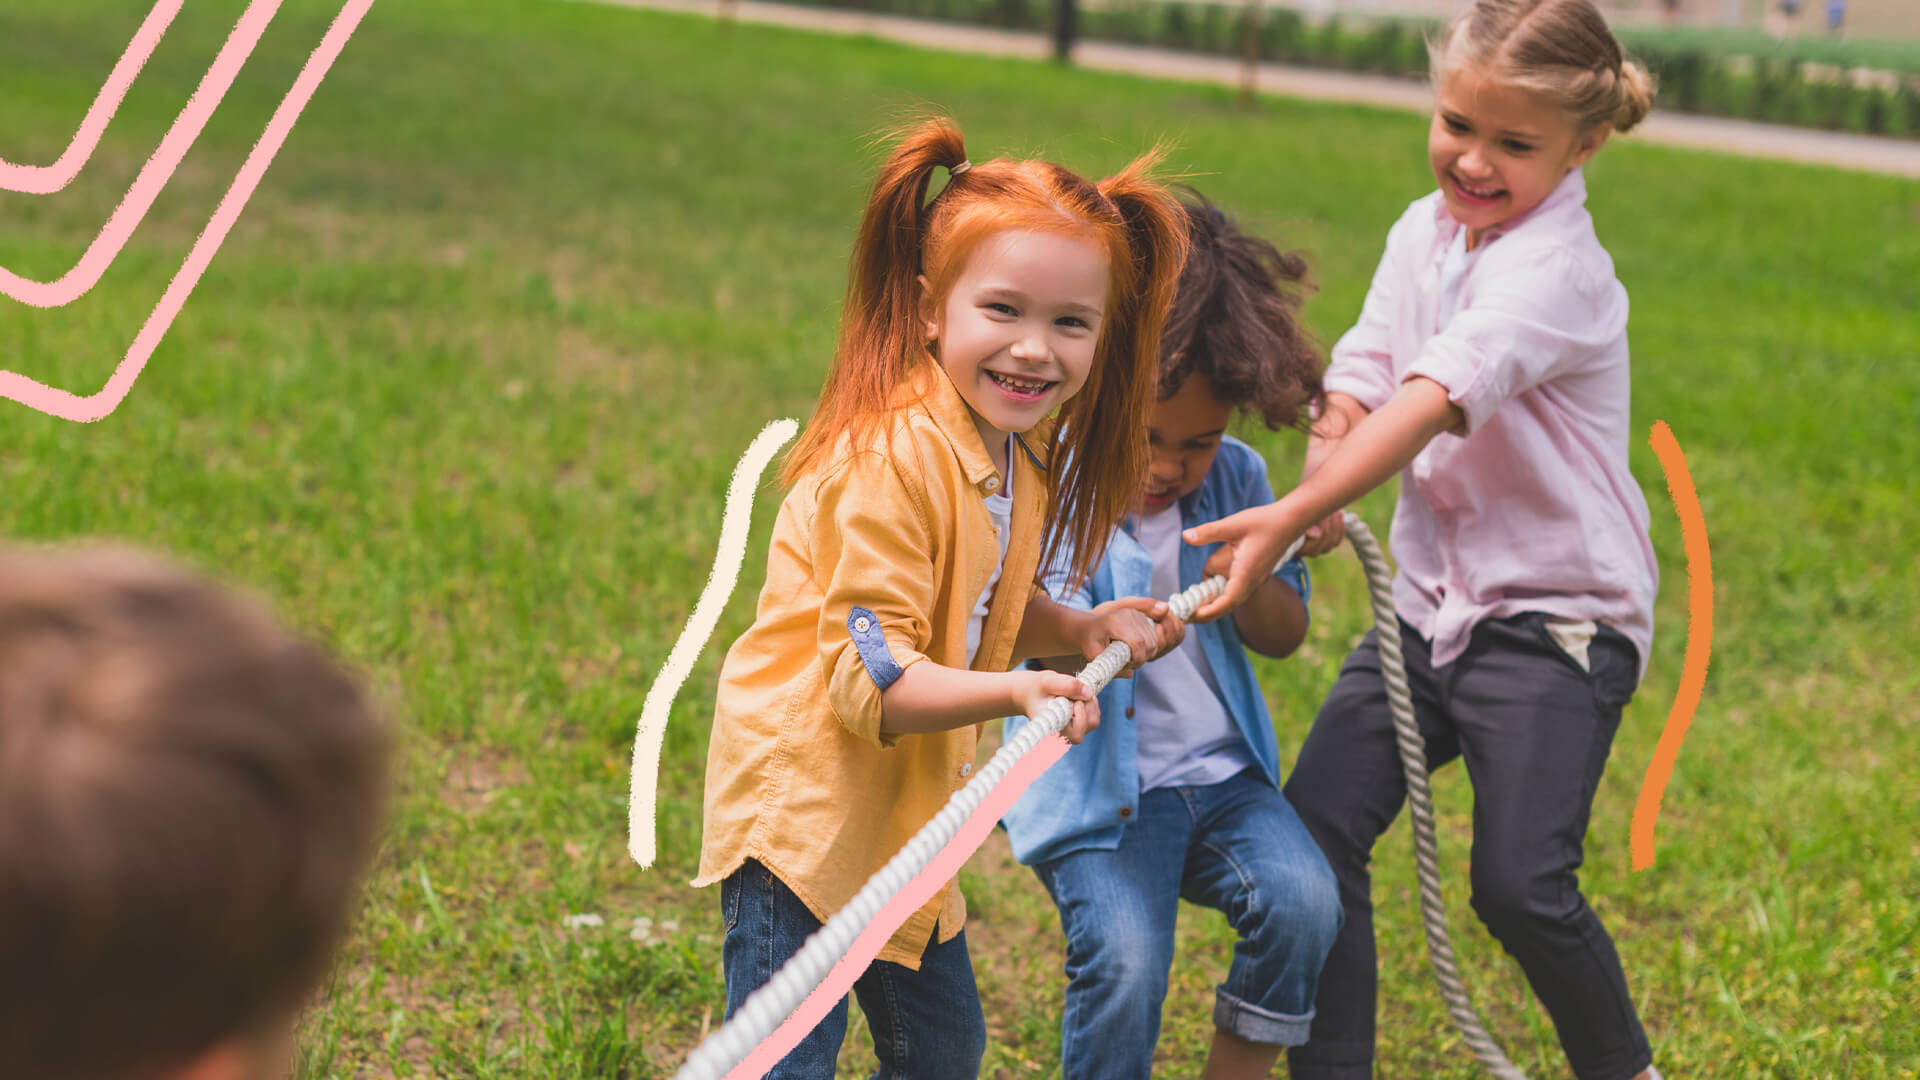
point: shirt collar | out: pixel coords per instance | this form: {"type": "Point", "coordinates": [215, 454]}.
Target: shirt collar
{"type": "Point", "coordinates": [1571, 192]}
{"type": "Point", "coordinates": [950, 412]}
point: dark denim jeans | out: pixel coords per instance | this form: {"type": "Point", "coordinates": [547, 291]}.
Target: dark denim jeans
{"type": "Point", "coordinates": [1235, 846]}
{"type": "Point", "coordinates": [926, 1024]}
{"type": "Point", "coordinates": [1534, 729]}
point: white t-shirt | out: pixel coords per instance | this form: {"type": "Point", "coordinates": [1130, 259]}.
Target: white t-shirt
{"type": "Point", "coordinates": [1184, 735]}
{"type": "Point", "coordinates": [1000, 509]}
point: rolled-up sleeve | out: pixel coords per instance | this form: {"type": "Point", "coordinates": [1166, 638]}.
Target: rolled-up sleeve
{"type": "Point", "coordinates": [1530, 323]}
{"type": "Point", "coordinates": [872, 553]}
{"type": "Point", "coordinates": [1362, 360]}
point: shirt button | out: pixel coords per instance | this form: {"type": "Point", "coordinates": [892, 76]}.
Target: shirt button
{"type": "Point", "coordinates": [1129, 712]}
{"type": "Point", "coordinates": [966, 769]}
{"type": "Point", "coordinates": [862, 624]}
{"type": "Point", "coordinates": [1126, 811]}
{"type": "Point", "coordinates": [993, 483]}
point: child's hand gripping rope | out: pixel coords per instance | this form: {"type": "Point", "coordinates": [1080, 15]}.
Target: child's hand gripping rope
{"type": "Point", "coordinates": [766, 1008]}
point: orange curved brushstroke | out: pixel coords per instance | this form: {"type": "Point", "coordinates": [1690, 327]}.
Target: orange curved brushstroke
{"type": "Point", "coordinates": [1693, 670]}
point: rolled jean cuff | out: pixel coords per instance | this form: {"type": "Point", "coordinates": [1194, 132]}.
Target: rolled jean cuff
{"type": "Point", "coordinates": [1255, 1024]}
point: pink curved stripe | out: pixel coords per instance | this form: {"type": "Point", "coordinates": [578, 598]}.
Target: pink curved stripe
{"type": "Point", "coordinates": [71, 406]}
{"type": "Point", "coordinates": [154, 175]}
{"type": "Point", "coordinates": [897, 910]}
{"type": "Point", "coordinates": [47, 179]}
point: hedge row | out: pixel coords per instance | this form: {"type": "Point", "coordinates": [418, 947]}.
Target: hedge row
{"type": "Point", "coordinates": [1774, 90]}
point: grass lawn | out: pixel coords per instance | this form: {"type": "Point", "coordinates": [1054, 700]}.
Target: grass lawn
{"type": "Point", "coordinates": [463, 390]}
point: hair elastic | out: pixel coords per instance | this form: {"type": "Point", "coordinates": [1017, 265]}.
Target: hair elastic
{"type": "Point", "coordinates": [960, 168]}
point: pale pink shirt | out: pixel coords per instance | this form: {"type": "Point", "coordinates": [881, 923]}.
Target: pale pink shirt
{"type": "Point", "coordinates": [1531, 506]}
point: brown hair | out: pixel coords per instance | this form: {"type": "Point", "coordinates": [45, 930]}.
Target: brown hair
{"type": "Point", "coordinates": [1096, 453]}
{"type": "Point", "coordinates": [188, 796]}
{"type": "Point", "coordinates": [1236, 321]}
{"type": "Point", "coordinates": [1561, 50]}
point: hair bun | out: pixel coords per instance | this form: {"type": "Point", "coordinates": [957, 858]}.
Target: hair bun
{"type": "Point", "coordinates": [1634, 89]}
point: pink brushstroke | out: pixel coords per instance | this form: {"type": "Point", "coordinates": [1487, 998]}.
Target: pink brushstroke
{"type": "Point", "coordinates": [897, 910]}
{"type": "Point", "coordinates": [70, 406]}
{"type": "Point", "coordinates": [154, 175]}
{"type": "Point", "coordinates": [47, 179]}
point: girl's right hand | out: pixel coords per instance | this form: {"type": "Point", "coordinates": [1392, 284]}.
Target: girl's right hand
{"type": "Point", "coordinates": [1258, 536]}
{"type": "Point", "coordinates": [1036, 688]}
{"type": "Point", "coordinates": [1140, 622]}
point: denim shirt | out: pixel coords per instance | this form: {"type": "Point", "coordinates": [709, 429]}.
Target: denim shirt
{"type": "Point", "coordinates": [1087, 798]}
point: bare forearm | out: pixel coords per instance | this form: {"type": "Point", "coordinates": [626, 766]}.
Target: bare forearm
{"type": "Point", "coordinates": [1342, 414]}
{"type": "Point", "coordinates": [1274, 622]}
{"type": "Point", "coordinates": [1049, 629]}
{"type": "Point", "coordinates": [929, 697]}
{"type": "Point", "coordinates": [1371, 453]}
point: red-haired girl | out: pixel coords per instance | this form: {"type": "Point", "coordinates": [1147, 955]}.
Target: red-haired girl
{"type": "Point", "coordinates": [902, 578]}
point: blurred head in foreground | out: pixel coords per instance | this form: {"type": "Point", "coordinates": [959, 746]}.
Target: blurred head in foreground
{"type": "Point", "coordinates": [189, 794]}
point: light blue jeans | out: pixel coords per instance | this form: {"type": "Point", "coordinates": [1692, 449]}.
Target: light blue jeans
{"type": "Point", "coordinates": [1237, 847]}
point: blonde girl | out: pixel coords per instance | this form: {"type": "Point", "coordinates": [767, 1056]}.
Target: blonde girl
{"type": "Point", "coordinates": [1489, 370]}
{"type": "Point", "coordinates": [901, 582]}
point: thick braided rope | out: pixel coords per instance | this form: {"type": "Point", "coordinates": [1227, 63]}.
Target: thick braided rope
{"type": "Point", "coordinates": [1413, 760]}
{"type": "Point", "coordinates": [767, 1007]}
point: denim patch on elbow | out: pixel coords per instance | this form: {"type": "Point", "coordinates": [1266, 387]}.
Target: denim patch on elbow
{"type": "Point", "coordinates": [865, 628]}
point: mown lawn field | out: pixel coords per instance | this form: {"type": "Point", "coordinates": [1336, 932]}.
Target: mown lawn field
{"type": "Point", "coordinates": [463, 390]}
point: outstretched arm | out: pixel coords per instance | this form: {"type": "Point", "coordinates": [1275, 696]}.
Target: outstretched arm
{"type": "Point", "coordinates": [1378, 446]}
{"type": "Point", "coordinates": [929, 697]}
{"type": "Point", "coordinates": [1343, 413]}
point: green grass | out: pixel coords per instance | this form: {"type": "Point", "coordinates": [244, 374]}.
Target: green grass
{"type": "Point", "coordinates": [463, 390]}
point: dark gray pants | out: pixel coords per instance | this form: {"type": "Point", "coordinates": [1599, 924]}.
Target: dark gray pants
{"type": "Point", "coordinates": [1534, 729]}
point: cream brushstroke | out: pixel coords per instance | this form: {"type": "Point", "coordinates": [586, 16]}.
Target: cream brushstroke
{"type": "Point", "coordinates": [727, 559]}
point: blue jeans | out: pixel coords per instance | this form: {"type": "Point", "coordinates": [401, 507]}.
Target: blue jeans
{"type": "Point", "coordinates": [1235, 846]}
{"type": "Point", "coordinates": [926, 1024]}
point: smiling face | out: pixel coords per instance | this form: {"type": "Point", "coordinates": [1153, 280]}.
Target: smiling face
{"type": "Point", "coordinates": [1498, 151]}
{"type": "Point", "coordinates": [1183, 435]}
{"type": "Point", "coordinates": [1017, 331]}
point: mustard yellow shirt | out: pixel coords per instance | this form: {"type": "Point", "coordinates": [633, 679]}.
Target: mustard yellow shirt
{"type": "Point", "coordinates": [799, 776]}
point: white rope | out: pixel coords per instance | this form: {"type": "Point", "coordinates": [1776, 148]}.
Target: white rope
{"type": "Point", "coordinates": [767, 1007]}
{"type": "Point", "coordinates": [1413, 761]}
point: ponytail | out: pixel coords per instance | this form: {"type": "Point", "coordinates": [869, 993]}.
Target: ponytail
{"type": "Point", "coordinates": [1097, 453]}
{"type": "Point", "coordinates": [879, 321]}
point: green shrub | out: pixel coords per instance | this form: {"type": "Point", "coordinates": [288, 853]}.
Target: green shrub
{"type": "Point", "coordinates": [1378, 50]}
{"type": "Point", "coordinates": [1772, 80]}
{"type": "Point", "coordinates": [1726, 92]}
{"type": "Point", "coordinates": [1682, 73]}
{"type": "Point", "coordinates": [1220, 28]}
{"type": "Point", "coordinates": [1175, 27]}
{"type": "Point", "coordinates": [1283, 36]}
{"type": "Point", "coordinates": [1326, 44]}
